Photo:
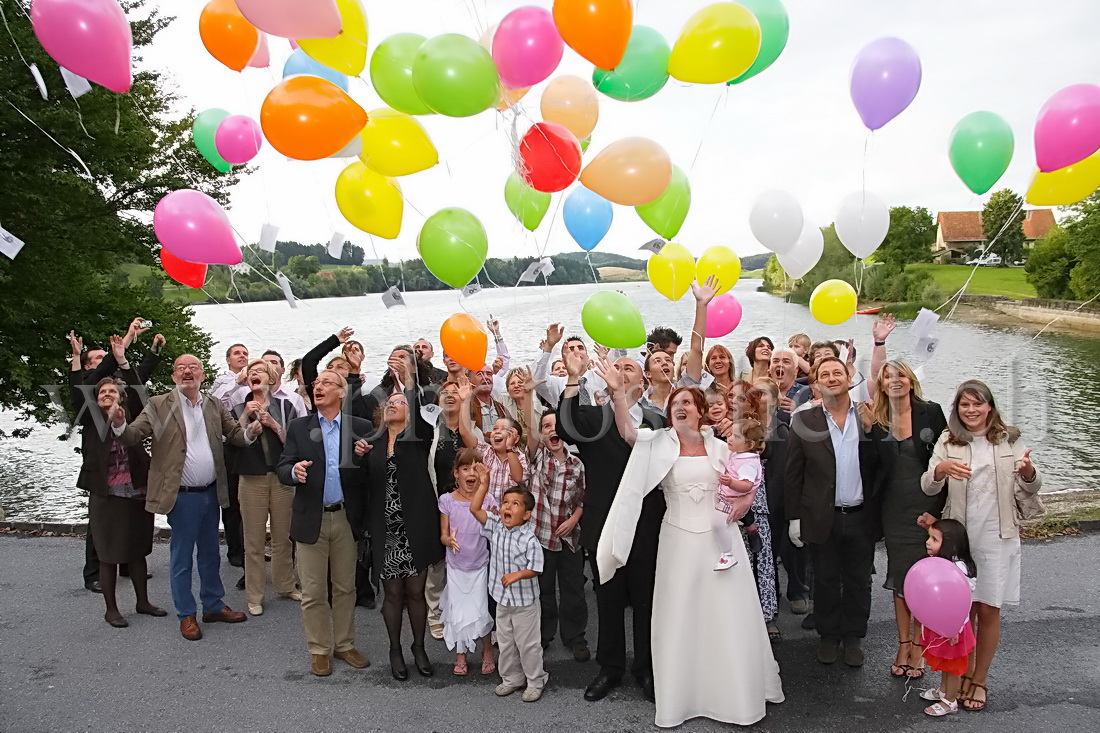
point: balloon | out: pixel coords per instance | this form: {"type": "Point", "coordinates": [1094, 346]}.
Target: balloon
{"type": "Point", "coordinates": [391, 73]}
{"type": "Point", "coordinates": [193, 227]}
{"type": "Point", "coordinates": [833, 302]}
{"type": "Point", "coordinates": [1068, 128]}
{"type": "Point", "coordinates": [981, 149]}
{"type": "Point", "coordinates": [885, 79]}
{"type": "Point", "coordinates": [776, 220]}
{"type": "Point", "coordinates": [775, 26]}
{"type": "Point", "coordinates": [671, 271]}
{"type": "Point", "coordinates": [1067, 185]}
{"type": "Point", "coordinates": [643, 70]}
{"type": "Point", "coordinates": [938, 595]}
{"type": "Point", "coordinates": [718, 43]}
{"type": "Point", "coordinates": [347, 52]}
{"type": "Point", "coordinates": [351, 150]}
{"type": "Point", "coordinates": [505, 97]}
{"type": "Point", "coordinates": [191, 274]}
{"type": "Point", "coordinates": [88, 37]}
{"type": "Point", "coordinates": [228, 37]}
{"type": "Point", "coordinates": [571, 102]}
{"type": "Point", "coordinates": [632, 172]}
{"type": "Point", "coordinates": [805, 253]}
{"type": "Point", "coordinates": [666, 213]}
{"type": "Point", "coordinates": [370, 201]}
{"type": "Point", "coordinates": [587, 216]}
{"type": "Point", "coordinates": [526, 47]}
{"type": "Point", "coordinates": [261, 58]}
{"type": "Point", "coordinates": [464, 340]}
{"type": "Point", "coordinates": [238, 139]}
{"type": "Point", "coordinates": [455, 76]}
{"type": "Point", "coordinates": [300, 63]}
{"type": "Point", "coordinates": [526, 204]}
{"type": "Point", "coordinates": [453, 246]}
{"type": "Point", "coordinates": [204, 131]}
{"type": "Point", "coordinates": [308, 118]}
{"type": "Point", "coordinates": [549, 157]}
{"type": "Point", "coordinates": [395, 144]}
{"type": "Point", "coordinates": [585, 143]}
{"type": "Point", "coordinates": [293, 18]}
{"type": "Point", "coordinates": [609, 318]}
{"type": "Point", "coordinates": [598, 30]}
{"type": "Point", "coordinates": [723, 315]}
{"type": "Point", "coordinates": [723, 264]}
{"type": "Point", "coordinates": [862, 223]}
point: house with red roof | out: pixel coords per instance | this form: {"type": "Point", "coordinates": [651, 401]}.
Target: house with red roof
{"type": "Point", "coordinates": [959, 234]}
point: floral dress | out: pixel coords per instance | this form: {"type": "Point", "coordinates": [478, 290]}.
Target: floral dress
{"type": "Point", "coordinates": [397, 561]}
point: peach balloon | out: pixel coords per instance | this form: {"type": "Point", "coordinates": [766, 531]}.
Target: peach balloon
{"type": "Point", "coordinates": [632, 171]}
{"type": "Point", "coordinates": [571, 102]}
{"type": "Point", "coordinates": [308, 118]}
{"type": "Point", "coordinates": [227, 35]}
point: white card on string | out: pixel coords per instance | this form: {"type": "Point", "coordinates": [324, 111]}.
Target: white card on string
{"type": "Point", "coordinates": [269, 235]}
{"type": "Point", "coordinates": [241, 268]}
{"type": "Point", "coordinates": [336, 245]}
{"type": "Point", "coordinates": [654, 245]}
{"type": "Point", "coordinates": [547, 268]}
{"type": "Point", "coordinates": [393, 297]}
{"type": "Point", "coordinates": [530, 273]}
{"type": "Point", "coordinates": [284, 283]}
{"type": "Point", "coordinates": [430, 413]}
{"type": "Point", "coordinates": [472, 289]}
{"type": "Point", "coordinates": [9, 244]}
{"type": "Point", "coordinates": [39, 80]}
{"type": "Point", "coordinates": [75, 83]}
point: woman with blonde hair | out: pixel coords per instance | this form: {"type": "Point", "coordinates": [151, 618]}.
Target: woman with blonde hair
{"type": "Point", "coordinates": [719, 363]}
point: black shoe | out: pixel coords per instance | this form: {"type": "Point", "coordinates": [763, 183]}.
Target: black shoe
{"type": "Point", "coordinates": [598, 688]}
{"type": "Point", "coordinates": [646, 683]}
{"type": "Point", "coordinates": [546, 644]}
{"type": "Point", "coordinates": [397, 665]}
{"type": "Point", "coordinates": [420, 659]}
{"type": "Point", "coordinates": [235, 560]}
{"type": "Point", "coordinates": [240, 583]}
{"type": "Point", "coordinates": [809, 623]}
{"type": "Point", "coordinates": [580, 651]}
{"type": "Point", "coordinates": [94, 586]}
{"type": "Point", "coordinates": [366, 602]}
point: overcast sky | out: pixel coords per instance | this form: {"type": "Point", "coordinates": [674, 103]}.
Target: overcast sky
{"type": "Point", "coordinates": [792, 127]}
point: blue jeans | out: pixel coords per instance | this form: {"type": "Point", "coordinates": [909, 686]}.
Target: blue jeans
{"type": "Point", "coordinates": [194, 523]}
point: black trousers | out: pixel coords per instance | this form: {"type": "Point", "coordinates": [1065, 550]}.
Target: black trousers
{"type": "Point", "coordinates": [842, 577]}
{"type": "Point", "coordinates": [231, 523]}
{"type": "Point", "coordinates": [91, 560]}
{"type": "Point", "coordinates": [563, 571]}
{"type": "Point", "coordinates": [796, 561]}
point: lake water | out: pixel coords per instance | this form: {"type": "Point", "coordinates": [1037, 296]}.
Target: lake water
{"type": "Point", "coordinates": [1046, 385]}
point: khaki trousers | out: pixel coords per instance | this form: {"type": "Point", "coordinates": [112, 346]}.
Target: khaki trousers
{"type": "Point", "coordinates": [329, 628]}
{"type": "Point", "coordinates": [433, 590]}
{"type": "Point", "coordinates": [519, 637]}
{"type": "Point", "coordinates": [262, 497]}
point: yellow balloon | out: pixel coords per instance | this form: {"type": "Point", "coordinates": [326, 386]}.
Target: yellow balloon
{"type": "Point", "coordinates": [1067, 185]}
{"type": "Point", "coordinates": [833, 302]}
{"type": "Point", "coordinates": [723, 264]}
{"type": "Point", "coordinates": [395, 144]}
{"type": "Point", "coordinates": [347, 52]}
{"type": "Point", "coordinates": [718, 43]}
{"type": "Point", "coordinates": [370, 201]}
{"type": "Point", "coordinates": [671, 271]}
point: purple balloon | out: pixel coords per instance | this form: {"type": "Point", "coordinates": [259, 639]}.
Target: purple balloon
{"type": "Point", "coordinates": [885, 79]}
{"type": "Point", "coordinates": [938, 595]}
{"type": "Point", "coordinates": [1068, 129]}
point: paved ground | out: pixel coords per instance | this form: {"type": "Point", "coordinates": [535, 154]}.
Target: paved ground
{"type": "Point", "coordinates": [62, 668]}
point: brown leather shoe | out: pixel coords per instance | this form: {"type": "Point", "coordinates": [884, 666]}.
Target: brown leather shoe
{"type": "Point", "coordinates": [353, 657]}
{"type": "Point", "coordinates": [226, 615]}
{"type": "Point", "coordinates": [189, 627]}
{"type": "Point", "coordinates": [320, 665]}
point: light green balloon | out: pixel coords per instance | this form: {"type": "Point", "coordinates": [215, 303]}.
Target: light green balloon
{"type": "Point", "coordinates": [981, 149]}
{"type": "Point", "coordinates": [203, 130]}
{"type": "Point", "coordinates": [775, 26]}
{"type": "Point", "coordinates": [666, 213]}
{"type": "Point", "coordinates": [453, 245]}
{"type": "Point", "coordinates": [643, 70]}
{"type": "Point", "coordinates": [391, 73]}
{"type": "Point", "coordinates": [526, 204]}
{"type": "Point", "coordinates": [585, 143]}
{"type": "Point", "coordinates": [609, 318]}
{"type": "Point", "coordinates": [455, 76]}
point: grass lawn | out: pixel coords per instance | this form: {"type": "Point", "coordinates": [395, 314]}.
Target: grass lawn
{"type": "Point", "coordinates": [138, 274]}
{"type": "Point", "coordinates": [1007, 281]}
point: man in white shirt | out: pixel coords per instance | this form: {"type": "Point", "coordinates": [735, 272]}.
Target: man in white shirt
{"type": "Point", "coordinates": [230, 389]}
{"type": "Point", "coordinates": [275, 359]}
{"type": "Point", "coordinates": [551, 388]}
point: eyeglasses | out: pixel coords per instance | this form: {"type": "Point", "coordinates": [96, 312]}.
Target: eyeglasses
{"type": "Point", "coordinates": [327, 383]}
{"type": "Point", "coordinates": [188, 368]}
{"type": "Point", "coordinates": [395, 403]}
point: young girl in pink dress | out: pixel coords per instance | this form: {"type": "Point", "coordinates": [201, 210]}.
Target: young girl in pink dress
{"type": "Point", "coordinates": [737, 487]}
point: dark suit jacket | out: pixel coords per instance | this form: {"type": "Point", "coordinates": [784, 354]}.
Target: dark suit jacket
{"type": "Point", "coordinates": [775, 466]}
{"type": "Point", "coordinates": [928, 423]}
{"type": "Point", "coordinates": [108, 367]}
{"type": "Point", "coordinates": [96, 435]}
{"type": "Point", "coordinates": [304, 443]}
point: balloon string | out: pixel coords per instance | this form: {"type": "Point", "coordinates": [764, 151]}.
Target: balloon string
{"type": "Point", "coordinates": [957, 297]}
{"type": "Point", "coordinates": [13, 43]}
{"type": "Point", "coordinates": [54, 140]}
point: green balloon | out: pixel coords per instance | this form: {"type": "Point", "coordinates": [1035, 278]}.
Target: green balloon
{"type": "Point", "coordinates": [643, 70]}
{"type": "Point", "coordinates": [775, 26]}
{"type": "Point", "coordinates": [391, 73]}
{"type": "Point", "coordinates": [609, 318]}
{"type": "Point", "coordinates": [455, 76]}
{"type": "Point", "coordinates": [666, 213]}
{"type": "Point", "coordinates": [585, 143]}
{"type": "Point", "coordinates": [453, 245]}
{"type": "Point", "coordinates": [526, 204]}
{"type": "Point", "coordinates": [203, 130]}
{"type": "Point", "coordinates": [981, 149]}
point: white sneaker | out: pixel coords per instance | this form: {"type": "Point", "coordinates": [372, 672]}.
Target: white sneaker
{"type": "Point", "coordinates": [941, 708]}
{"type": "Point", "coordinates": [725, 561]}
{"type": "Point", "coordinates": [932, 694]}
{"type": "Point", "coordinates": [532, 694]}
{"type": "Point", "coordinates": [255, 609]}
{"type": "Point", "coordinates": [504, 689]}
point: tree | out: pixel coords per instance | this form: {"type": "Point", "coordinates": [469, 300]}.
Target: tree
{"type": "Point", "coordinates": [1083, 228]}
{"type": "Point", "coordinates": [1005, 210]}
{"type": "Point", "coordinates": [911, 236]}
{"type": "Point", "coordinates": [303, 266]}
{"type": "Point", "coordinates": [1049, 265]}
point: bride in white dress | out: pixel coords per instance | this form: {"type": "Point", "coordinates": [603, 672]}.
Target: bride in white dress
{"type": "Point", "coordinates": [711, 653]}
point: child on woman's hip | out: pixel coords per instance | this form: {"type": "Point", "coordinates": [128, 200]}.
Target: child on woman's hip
{"type": "Point", "coordinates": [737, 487]}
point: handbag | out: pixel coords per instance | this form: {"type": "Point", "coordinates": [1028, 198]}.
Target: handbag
{"type": "Point", "coordinates": [1029, 505]}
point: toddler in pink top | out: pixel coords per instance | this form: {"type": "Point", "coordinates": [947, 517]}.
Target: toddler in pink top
{"type": "Point", "coordinates": [737, 487]}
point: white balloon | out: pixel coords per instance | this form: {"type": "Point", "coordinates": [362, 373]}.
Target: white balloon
{"type": "Point", "coordinates": [351, 150]}
{"type": "Point", "coordinates": [805, 253]}
{"type": "Point", "coordinates": [862, 223]}
{"type": "Point", "coordinates": [776, 220]}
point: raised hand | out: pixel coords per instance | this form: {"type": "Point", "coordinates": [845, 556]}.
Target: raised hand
{"type": "Point", "coordinates": [300, 470]}
{"type": "Point", "coordinates": [575, 363]}
{"type": "Point", "coordinates": [1025, 469]}
{"type": "Point", "coordinates": [883, 326]}
{"type": "Point", "coordinates": [344, 334]}
{"type": "Point", "coordinates": [76, 343]}
{"type": "Point", "coordinates": [612, 376]}
{"type": "Point", "coordinates": [705, 293]}
{"type": "Point", "coordinates": [511, 438]}
{"type": "Point", "coordinates": [498, 364]}
{"type": "Point", "coordinates": [353, 356]}
{"type": "Point", "coordinates": [158, 343]}
{"type": "Point", "coordinates": [554, 334]}
{"type": "Point", "coordinates": [863, 410]}
{"type": "Point", "coordinates": [601, 351]}
{"type": "Point", "coordinates": [494, 326]}
{"type": "Point", "coordinates": [529, 384]}
{"type": "Point", "coordinates": [118, 348]}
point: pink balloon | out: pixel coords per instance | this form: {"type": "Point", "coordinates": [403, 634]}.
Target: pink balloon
{"type": "Point", "coordinates": [238, 139]}
{"type": "Point", "coordinates": [1068, 129]}
{"type": "Point", "coordinates": [293, 43]}
{"type": "Point", "coordinates": [723, 315]}
{"type": "Point", "coordinates": [527, 47]}
{"type": "Point", "coordinates": [88, 37]}
{"type": "Point", "coordinates": [194, 227]}
{"type": "Point", "coordinates": [293, 18]}
{"type": "Point", "coordinates": [938, 595]}
{"type": "Point", "coordinates": [261, 58]}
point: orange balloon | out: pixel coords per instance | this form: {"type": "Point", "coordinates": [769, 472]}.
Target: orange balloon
{"type": "Point", "coordinates": [507, 97]}
{"type": "Point", "coordinates": [227, 35]}
{"type": "Point", "coordinates": [632, 171]}
{"type": "Point", "coordinates": [308, 118]}
{"type": "Point", "coordinates": [596, 29]}
{"type": "Point", "coordinates": [464, 340]}
{"type": "Point", "coordinates": [571, 102]}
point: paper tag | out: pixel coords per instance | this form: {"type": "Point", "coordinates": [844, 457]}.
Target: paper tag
{"type": "Point", "coordinates": [284, 283]}
{"type": "Point", "coordinates": [39, 80]}
{"type": "Point", "coordinates": [9, 244]}
{"type": "Point", "coordinates": [76, 84]}
{"type": "Point", "coordinates": [430, 413]}
{"type": "Point", "coordinates": [927, 345]}
{"type": "Point", "coordinates": [547, 267]}
{"type": "Point", "coordinates": [269, 235]}
{"type": "Point", "coordinates": [336, 245]}
{"type": "Point", "coordinates": [530, 273]}
{"type": "Point", "coordinates": [654, 245]}
{"type": "Point", "coordinates": [472, 289]}
{"type": "Point", "coordinates": [241, 268]}
{"type": "Point", "coordinates": [393, 297]}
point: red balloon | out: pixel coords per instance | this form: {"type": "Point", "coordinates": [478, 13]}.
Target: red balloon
{"type": "Point", "coordinates": [549, 157]}
{"type": "Point", "coordinates": [191, 274]}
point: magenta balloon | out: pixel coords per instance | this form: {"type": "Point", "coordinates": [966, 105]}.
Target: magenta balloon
{"type": "Point", "coordinates": [885, 79]}
{"type": "Point", "coordinates": [527, 47]}
{"type": "Point", "coordinates": [88, 37]}
{"type": "Point", "coordinates": [938, 595]}
{"type": "Point", "coordinates": [238, 139]}
{"type": "Point", "coordinates": [193, 227]}
{"type": "Point", "coordinates": [293, 18]}
{"type": "Point", "coordinates": [723, 315]}
{"type": "Point", "coordinates": [1068, 129]}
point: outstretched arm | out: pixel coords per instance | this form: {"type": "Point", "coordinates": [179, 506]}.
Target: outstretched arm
{"type": "Point", "coordinates": [623, 420]}
{"type": "Point", "coordinates": [693, 362]}
{"type": "Point", "coordinates": [881, 329]}
{"type": "Point", "coordinates": [479, 496]}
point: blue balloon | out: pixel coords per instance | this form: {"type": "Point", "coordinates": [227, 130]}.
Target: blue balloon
{"type": "Point", "coordinates": [587, 217]}
{"type": "Point", "coordinates": [300, 63]}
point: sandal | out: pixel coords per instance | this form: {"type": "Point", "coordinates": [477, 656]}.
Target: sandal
{"type": "Point", "coordinates": [969, 703]}
{"type": "Point", "coordinates": [915, 673]}
{"type": "Point", "coordinates": [901, 670]}
{"type": "Point", "coordinates": [461, 669]}
{"type": "Point", "coordinates": [773, 634]}
{"type": "Point", "coordinates": [488, 666]}
{"type": "Point", "coordinates": [941, 708]}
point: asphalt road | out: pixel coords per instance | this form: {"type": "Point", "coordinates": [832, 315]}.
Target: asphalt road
{"type": "Point", "coordinates": [62, 668]}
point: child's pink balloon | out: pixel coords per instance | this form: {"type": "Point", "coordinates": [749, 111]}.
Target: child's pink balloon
{"type": "Point", "coordinates": [293, 18]}
{"type": "Point", "coordinates": [527, 47]}
{"type": "Point", "coordinates": [238, 139]}
{"type": "Point", "coordinates": [723, 315]}
{"type": "Point", "coordinates": [938, 595]}
{"type": "Point", "coordinates": [88, 37]}
{"type": "Point", "coordinates": [1068, 129]}
{"type": "Point", "coordinates": [194, 227]}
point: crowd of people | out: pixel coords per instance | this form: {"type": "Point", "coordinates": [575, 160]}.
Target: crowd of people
{"type": "Point", "coordinates": [473, 497]}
